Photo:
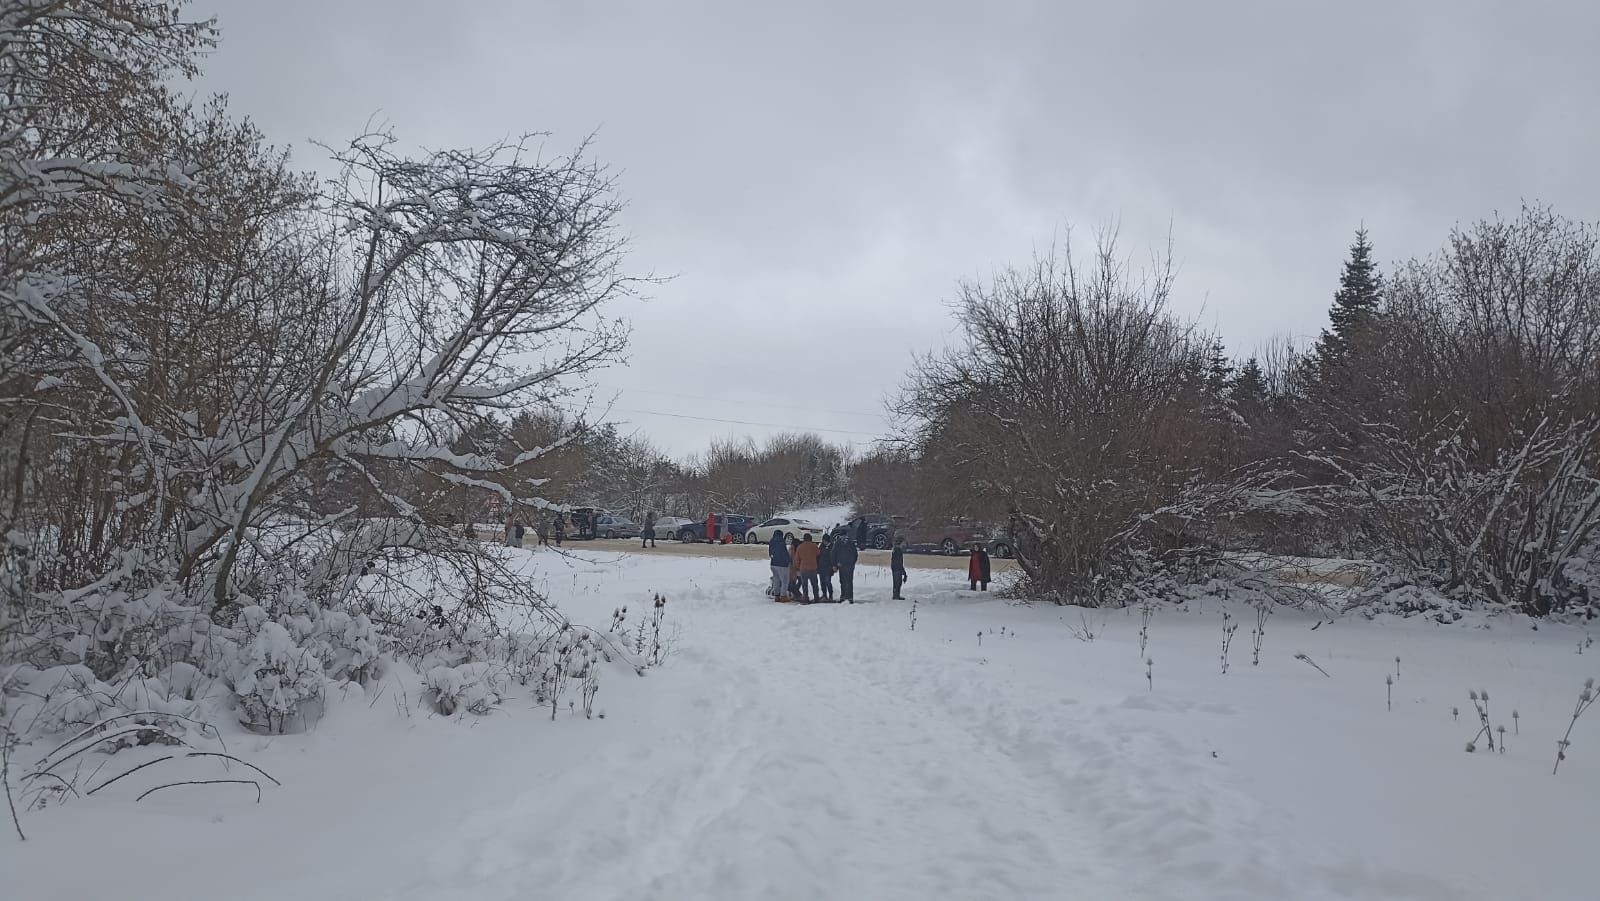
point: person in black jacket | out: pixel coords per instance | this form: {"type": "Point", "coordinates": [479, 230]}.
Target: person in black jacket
{"type": "Point", "coordinates": [825, 565]}
{"type": "Point", "coordinates": [978, 567]}
{"type": "Point", "coordinates": [897, 566]}
{"type": "Point", "coordinates": [861, 532]}
{"type": "Point", "coordinates": [844, 559]}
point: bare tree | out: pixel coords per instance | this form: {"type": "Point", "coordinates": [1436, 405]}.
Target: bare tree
{"type": "Point", "coordinates": [1081, 404]}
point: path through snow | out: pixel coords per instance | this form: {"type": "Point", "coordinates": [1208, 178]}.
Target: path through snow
{"type": "Point", "coordinates": [827, 752]}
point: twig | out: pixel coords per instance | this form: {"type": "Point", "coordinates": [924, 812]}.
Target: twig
{"type": "Point", "coordinates": [1313, 663]}
{"type": "Point", "coordinates": [235, 760]}
{"type": "Point", "coordinates": [204, 782]}
{"type": "Point", "coordinates": [204, 727]}
{"type": "Point", "coordinates": [104, 738]}
{"type": "Point", "coordinates": [129, 772]}
{"type": "Point", "coordinates": [45, 773]}
{"type": "Point", "coordinates": [5, 779]}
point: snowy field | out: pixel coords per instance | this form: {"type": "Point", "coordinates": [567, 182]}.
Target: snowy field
{"type": "Point", "coordinates": [831, 752]}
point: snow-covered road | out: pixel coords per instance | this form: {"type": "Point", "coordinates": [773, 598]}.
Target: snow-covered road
{"type": "Point", "coordinates": [831, 752]}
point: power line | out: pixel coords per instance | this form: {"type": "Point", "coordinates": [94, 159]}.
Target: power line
{"type": "Point", "coordinates": [748, 402]}
{"type": "Point", "coordinates": [773, 425]}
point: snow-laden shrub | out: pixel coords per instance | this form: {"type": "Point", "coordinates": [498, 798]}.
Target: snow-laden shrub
{"type": "Point", "coordinates": [473, 687]}
{"type": "Point", "coordinates": [1397, 597]}
{"type": "Point", "coordinates": [354, 653]}
{"type": "Point", "coordinates": [276, 680]}
{"type": "Point", "coordinates": [69, 697]}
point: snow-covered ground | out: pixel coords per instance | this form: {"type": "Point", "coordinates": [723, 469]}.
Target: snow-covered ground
{"type": "Point", "coordinates": [831, 752]}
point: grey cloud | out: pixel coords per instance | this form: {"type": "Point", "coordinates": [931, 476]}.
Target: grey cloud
{"type": "Point", "coordinates": [819, 175]}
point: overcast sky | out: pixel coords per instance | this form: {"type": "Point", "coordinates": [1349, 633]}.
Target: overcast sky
{"type": "Point", "coordinates": [817, 176]}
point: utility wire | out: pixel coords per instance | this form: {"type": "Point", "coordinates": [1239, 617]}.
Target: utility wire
{"type": "Point", "coordinates": [774, 425]}
{"type": "Point", "coordinates": [746, 401]}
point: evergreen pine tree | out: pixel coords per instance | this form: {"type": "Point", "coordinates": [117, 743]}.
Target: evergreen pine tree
{"type": "Point", "coordinates": [1250, 390]}
{"type": "Point", "coordinates": [1220, 369]}
{"type": "Point", "coordinates": [1354, 306]}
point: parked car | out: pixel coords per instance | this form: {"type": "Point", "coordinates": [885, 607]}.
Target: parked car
{"type": "Point", "coordinates": [945, 536]}
{"type": "Point", "coordinates": [668, 526]}
{"type": "Point", "coordinates": [1002, 545]}
{"type": "Point", "coordinates": [573, 516]}
{"type": "Point", "coordinates": [881, 529]}
{"type": "Point", "coordinates": [790, 528]}
{"type": "Point", "coordinates": [610, 525]}
{"type": "Point", "coordinates": [727, 524]}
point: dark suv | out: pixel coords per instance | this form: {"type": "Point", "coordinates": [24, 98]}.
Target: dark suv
{"type": "Point", "coordinates": [727, 524]}
{"type": "Point", "coordinates": [880, 530]}
{"type": "Point", "coordinates": [946, 537]}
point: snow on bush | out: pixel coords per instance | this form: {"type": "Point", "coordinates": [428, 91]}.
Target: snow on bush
{"type": "Point", "coordinates": [472, 687]}
{"type": "Point", "coordinates": [69, 697]}
{"type": "Point", "coordinates": [1403, 598]}
{"type": "Point", "coordinates": [277, 681]}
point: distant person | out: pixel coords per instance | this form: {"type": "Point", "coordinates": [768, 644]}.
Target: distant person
{"type": "Point", "coordinates": [897, 566]}
{"type": "Point", "coordinates": [778, 562]}
{"type": "Point", "coordinates": [807, 558]}
{"type": "Point", "coordinates": [978, 567]}
{"type": "Point", "coordinates": [558, 529]}
{"type": "Point", "coordinates": [844, 558]}
{"type": "Point", "coordinates": [647, 538]}
{"type": "Point", "coordinates": [825, 567]}
{"type": "Point", "coordinates": [542, 529]}
{"type": "Point", "coordinates": [861, 532]}
{"type": "Point", "coordinates": [794, 568]}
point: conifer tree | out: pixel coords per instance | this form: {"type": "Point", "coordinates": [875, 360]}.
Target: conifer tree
{"type": "Point", "coordinates": [1355, 306]}
{"type": "Point", "coordinates": [1250, 390]}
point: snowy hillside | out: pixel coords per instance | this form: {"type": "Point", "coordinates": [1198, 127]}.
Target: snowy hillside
{"type": "Point", "coordinates": [834, 752]}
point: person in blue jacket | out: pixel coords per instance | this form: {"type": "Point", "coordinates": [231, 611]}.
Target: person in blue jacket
{"type": "Point", "coordinates": [844, 560]}
{"type": "Point", "coordinates": [778, 559]}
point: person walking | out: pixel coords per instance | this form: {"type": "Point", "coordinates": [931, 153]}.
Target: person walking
{"type": "Point", "coordinates": [825, 567]}
{"type": "Point", "coordinates": [807, 557]}
{"type": "Point", "coordinates": [542, 529]}
{"type": "Point", "coordinates": [844, 559]}
{"type": "Point", "coordinates": [558, 530]}
{"type": "Point", "coordinates": [978, 567]}
{"type": "Point", "coordinates": [897, 566]}
{"type": "Point", "coordinates": [647, 538]}
{"type": "Point", "coordinates": [778, 561]}
{"type": "Point", "coordinates": [861, 532]}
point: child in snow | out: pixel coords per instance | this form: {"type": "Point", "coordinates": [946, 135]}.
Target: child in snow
{"type": "Point", "coordinates": [897, 566]}
{"type": "Point", "coordinates": [978, 567]}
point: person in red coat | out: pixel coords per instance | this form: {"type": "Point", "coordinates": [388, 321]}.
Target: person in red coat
{"type": "Point", "coordinates": [978, 568]}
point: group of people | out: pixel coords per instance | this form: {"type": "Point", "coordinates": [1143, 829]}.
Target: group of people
{"type": "Point", "coordinates": [803, 569]}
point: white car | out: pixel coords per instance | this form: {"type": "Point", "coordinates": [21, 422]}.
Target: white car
{"type": "Point", "coordinates": [791, 528]}
{"type": "Point", "coordinates": [668, 526]}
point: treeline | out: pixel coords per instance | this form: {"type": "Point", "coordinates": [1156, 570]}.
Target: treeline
{"type": "Point", "coordinates": [597, 465]}
{"type": "Point", "coordinates": [1446, 424]}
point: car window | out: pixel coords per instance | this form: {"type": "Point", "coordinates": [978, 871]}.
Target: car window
{"type": "Point", "coordinates": [777, 522]}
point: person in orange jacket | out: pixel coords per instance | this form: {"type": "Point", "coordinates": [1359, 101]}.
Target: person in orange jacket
{"type": "Point", "coordinates": [794, 569]}
{"type": "Point", "coordinates": [806, 557]}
